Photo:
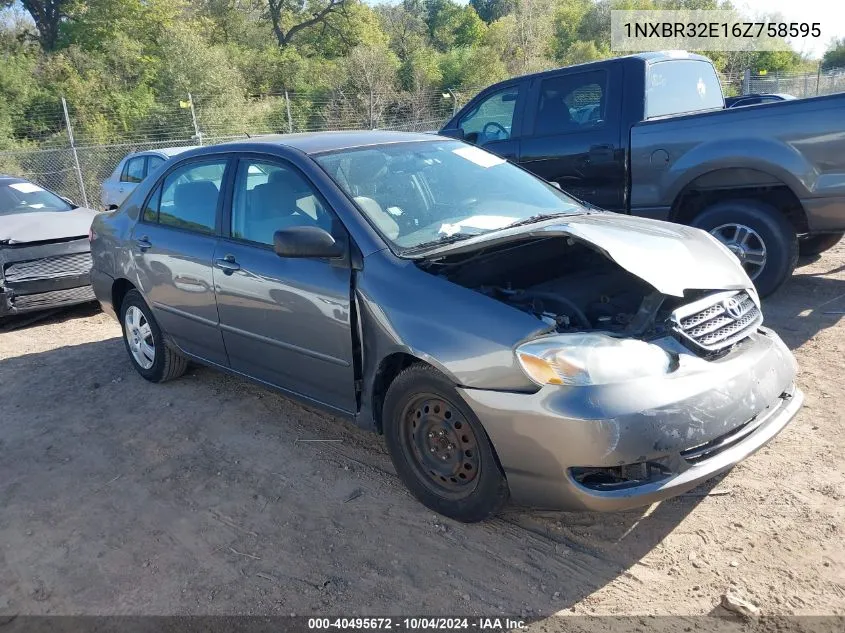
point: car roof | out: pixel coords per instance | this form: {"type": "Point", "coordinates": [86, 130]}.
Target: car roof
{"type": "Point", "coordinates": [164, 151]}
{"type": "Point", "coordinates": [650, 57]}
{"type": "Point", "coordinates": [318, 142]}
{"type": "Point", "coordinates": [6, 179]}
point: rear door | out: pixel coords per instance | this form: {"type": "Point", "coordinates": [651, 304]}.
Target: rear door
{"type": "Point", "coordinates": [573, 134]}
{"type": "Point", "coordinates": [173, 250]}
{"type": "Point", "coordinates": [286, 322]}
{"type": "Point", "coordinates": [493, 120]}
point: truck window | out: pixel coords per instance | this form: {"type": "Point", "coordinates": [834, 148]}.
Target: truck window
{"type": "Point", "coordinates": [491, 119]}
{"type": "Point", "coordinates": [571, 102]}
{"type": "Point", "coordinates": [681, 86]}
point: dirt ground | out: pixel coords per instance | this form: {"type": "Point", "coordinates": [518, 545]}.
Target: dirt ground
{"type": "Point", "coordinates": [201, 497]}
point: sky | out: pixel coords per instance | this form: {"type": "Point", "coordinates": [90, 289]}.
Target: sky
{"type": "Point", "coordinates": [830, 14]}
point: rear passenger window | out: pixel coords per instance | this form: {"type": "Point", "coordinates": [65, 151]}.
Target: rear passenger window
{"type": "Point", "coordinates": [571, 103]}
{"type": "Point", "coordinates": [187, 199]}
{"type": "Point", "coordinates": [151, 210]}
{"type": "Point", "coordinates": [133, 171]}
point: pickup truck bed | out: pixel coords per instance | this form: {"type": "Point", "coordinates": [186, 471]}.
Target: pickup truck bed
{"type": "Point", "coordinates": [755, 147]}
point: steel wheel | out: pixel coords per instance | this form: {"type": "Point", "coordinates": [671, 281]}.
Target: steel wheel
{"type": "Point", "coordinates": [441, 446]}
{"type": "Point", "coordinates": [139, 337]}
{"type": "Point", "coordinates": [746, 244]}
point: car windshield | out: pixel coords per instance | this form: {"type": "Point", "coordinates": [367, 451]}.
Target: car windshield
{"type": "Point", "coordinates": [24, 197]}
{"type": "Point", "coordinates": [428, 192]}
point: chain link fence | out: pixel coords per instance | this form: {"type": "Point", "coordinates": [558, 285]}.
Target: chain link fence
{"type": "Point", "coordinates": [62, 154]}
{"type": "Point", "coordinates": [62, 151]}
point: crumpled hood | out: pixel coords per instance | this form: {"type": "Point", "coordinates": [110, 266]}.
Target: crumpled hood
{"type": "Point", "coordinates": [38, 226]}
{"type": "Point", "coordinates": [670, 257]}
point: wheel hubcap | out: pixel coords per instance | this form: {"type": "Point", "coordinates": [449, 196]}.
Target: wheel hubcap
{"type": "Point", "coordinates": [746, 244]}
{"type": "Point", "coordinates": [441, 445]}
{"type": "Point", "coordinates": [139, 337]}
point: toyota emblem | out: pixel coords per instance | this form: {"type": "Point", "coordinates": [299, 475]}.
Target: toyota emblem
{"type": "Point", "coordinates": [733, 308]}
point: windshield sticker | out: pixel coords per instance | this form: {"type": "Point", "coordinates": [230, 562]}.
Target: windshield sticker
{"type": "Point", "coordinates": [25, 187]}
{"type": "Point", "coordinates": [484, 222]}
{"type": "Point", "coordinates": [478, 156]}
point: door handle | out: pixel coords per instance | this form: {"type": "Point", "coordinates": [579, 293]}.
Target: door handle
{"type": "Point", "coordinates": [228, 264]}
{"type": "Point", "coordinates": [144, 244]}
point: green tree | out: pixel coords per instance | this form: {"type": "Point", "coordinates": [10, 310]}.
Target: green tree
{"type": "Point", "coordinates": [492, 10]}
{"type": "Point", "coordinates": [48, 16]}
{"type": "Point", "coordinates": [834, 57]}
{"type": "Point", "coordinates": [290, 18]}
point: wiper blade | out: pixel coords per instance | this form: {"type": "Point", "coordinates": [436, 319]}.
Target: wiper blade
{"type": "Point", "coordinates": [440, 241]}
{"type": "Point", "coordinates": [537, 218]}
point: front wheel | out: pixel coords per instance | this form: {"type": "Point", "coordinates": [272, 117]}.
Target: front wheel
{"type": "Point", "coordinates": [758, 235]}
{"type": "Point", "coordinates": [440, 449]}
{"type": "Point", "coordinates": [818, 244]}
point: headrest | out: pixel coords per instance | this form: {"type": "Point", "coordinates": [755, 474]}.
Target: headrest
{"type": "Point", "coordinates": [193, 194]}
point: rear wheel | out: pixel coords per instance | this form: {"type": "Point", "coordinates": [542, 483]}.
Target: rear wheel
{"type": "Point", "coordinates": [440, 449]}
{"type": "Point", "coordinates": [818, 244]}
{"type": "Point", "coordinates": [151, 356]}
{"type": "Point", "coordinates": [758, 235]}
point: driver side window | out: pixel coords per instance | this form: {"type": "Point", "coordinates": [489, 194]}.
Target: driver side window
{"type": "Point", "coordinates": [492, 118]}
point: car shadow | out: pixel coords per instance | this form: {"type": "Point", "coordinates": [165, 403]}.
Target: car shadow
{"type": "Point", "coordinates": [151, 498]}
{"type": "Point", "coordinates": [50, 315]}
{"type": "Point", "coordinates": [806, 304]}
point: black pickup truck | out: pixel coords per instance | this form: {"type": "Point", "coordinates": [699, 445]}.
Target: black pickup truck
{"type": "Point", "coordinates": [648, 134]}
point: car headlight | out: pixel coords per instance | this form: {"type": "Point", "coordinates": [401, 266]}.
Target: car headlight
{"type": "Point", "coordinates": [591, 359]}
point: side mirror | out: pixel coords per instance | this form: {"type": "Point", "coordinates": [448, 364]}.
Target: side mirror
{"type": "Point", "coordinates": [306, 241]}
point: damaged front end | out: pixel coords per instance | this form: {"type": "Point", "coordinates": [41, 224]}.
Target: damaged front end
{"type": "Point", "coordinates": [574, 286]}
{"type": "Point", "coordinates": [646, 385]}
{"type": "Point", "coordinates": [44, 274]}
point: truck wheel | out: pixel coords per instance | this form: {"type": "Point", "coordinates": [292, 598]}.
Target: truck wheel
{"type": "Point", "coordinates": [759, 235]}
{"type": "Point", "coordinates": [818, 244]}
{"type": "Point", "coordinates": [440, 449]}
{"type": "Point", "coordinates": [151, 356]}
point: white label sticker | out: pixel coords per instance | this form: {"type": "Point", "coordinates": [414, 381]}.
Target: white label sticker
{"type": "Point", "coordinates": [478, 156]}
{"type": "Point", "coordinates": [25, 187]}
{"type": "Point", "coordinates": [488, 222]}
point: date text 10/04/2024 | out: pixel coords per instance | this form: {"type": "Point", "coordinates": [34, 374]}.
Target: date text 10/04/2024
{"type": "Point", "coordinates": [417, 623]}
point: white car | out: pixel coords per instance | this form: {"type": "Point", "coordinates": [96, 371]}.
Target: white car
{"type": "Point", "coordinates": [132, 170]}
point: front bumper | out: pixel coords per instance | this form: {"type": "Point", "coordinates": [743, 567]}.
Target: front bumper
{"type": "Point", "coordinates": [697, 422]}
{"type": "Point", "coordinates": [44, 275]}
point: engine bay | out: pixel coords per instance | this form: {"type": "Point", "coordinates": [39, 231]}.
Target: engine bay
{"type": "Point", "coordinates": [566, 284]}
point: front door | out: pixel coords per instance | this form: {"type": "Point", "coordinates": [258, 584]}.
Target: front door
{"type": "Point", "coordinates": [173, 247]}
{"type": "Point", "coordinates": [285, 321]}
{"type": "Point", "coordinates": [572, 135]}
{"type": "Point", "coordinates": [492, 121]}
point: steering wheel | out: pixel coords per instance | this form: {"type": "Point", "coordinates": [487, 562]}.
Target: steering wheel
{"type": "Point", "coordinates": [498, 127]}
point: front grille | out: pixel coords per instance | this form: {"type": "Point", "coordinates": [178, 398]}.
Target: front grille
{"type": "Point", "coordinates": [48, 268]}
{"type": "Point", "coordinates": [55, 297]}
{"type": "Point", "coordinates": [718, 321]}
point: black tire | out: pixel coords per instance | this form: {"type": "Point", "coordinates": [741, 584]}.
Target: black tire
{"type": "Point", "coordinates": [168, 363]}
{"type": "Point", "coordinates": [467, 500]}
{"type": "Point", "coordinates": [818, 244]}
{"type": "Point", "coordinates": [774, 230]}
